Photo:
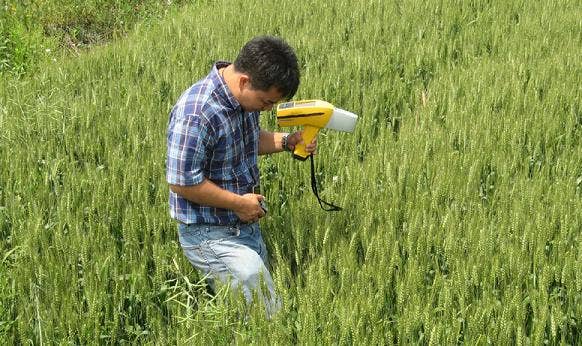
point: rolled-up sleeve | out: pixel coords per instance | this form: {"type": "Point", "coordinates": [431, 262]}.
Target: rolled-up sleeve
{"type": "Point", "coordinates": [189, 137]}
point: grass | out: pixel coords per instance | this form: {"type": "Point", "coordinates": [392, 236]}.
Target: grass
{"type": "Point", "coordinates": [461, 185]}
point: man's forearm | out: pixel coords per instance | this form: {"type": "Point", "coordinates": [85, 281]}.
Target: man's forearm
{"type": "Point", "coordinates": [270, 142]}
{"type": "Point", "coordinates": [208, 193]}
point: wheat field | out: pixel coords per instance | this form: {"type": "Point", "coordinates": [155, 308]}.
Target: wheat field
{"type": "Point", "coordinates": [461, 185]}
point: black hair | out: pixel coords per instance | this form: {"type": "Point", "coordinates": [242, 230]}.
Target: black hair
{"type": "Point", "coordinates": [270, 62]}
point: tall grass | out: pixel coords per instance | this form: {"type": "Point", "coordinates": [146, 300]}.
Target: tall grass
{"type": "Point", "coordinates": [461, 186]}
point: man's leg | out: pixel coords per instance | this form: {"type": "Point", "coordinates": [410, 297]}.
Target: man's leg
{"type": "Point", "coordinates": [232, 255]}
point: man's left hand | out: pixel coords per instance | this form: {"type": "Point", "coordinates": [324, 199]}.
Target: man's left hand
{"type": "Point", "coordinates": [297, 138]}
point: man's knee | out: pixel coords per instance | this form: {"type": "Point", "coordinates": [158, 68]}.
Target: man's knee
{"type": "Point", "coordinates": [250, 270]}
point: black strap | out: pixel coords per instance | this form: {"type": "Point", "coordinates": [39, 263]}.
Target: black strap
{"type": "Point", "coordinates": [314, 189]}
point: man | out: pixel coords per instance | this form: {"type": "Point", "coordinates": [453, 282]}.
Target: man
{"type": "Point", "coordinates": [213, 142]}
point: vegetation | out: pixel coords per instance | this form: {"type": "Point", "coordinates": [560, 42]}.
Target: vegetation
{"type": "Point", "coordinates": [461, 186]}
{"type": "Point", "coordinates": [38, 30]}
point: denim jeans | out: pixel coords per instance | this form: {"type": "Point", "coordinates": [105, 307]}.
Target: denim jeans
{"type": "Point", "coordinates": [235, 255]}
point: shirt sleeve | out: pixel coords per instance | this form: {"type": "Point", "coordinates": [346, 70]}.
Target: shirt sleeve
{"type": "Point", "coordinates": [189, 137]}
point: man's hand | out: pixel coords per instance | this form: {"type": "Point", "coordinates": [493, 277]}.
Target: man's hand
{"type": "Point", "coordinates": [297, 138]}
{"type": "Point", "coordinates": [249, 209]}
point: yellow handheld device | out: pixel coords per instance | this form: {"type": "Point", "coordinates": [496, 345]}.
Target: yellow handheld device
{"type": "Point", "coordinates": [313, 115]}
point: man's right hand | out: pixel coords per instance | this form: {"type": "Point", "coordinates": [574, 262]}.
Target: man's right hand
{"type": "Point", "coordinates": [250, 209]}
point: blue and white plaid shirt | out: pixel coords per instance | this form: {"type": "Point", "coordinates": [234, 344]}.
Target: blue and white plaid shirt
{"type": "Point", "coordinates": [211, 137]}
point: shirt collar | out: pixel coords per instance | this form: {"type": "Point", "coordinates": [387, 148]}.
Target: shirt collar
{"type": "Point", "coordinates": [223, 89]}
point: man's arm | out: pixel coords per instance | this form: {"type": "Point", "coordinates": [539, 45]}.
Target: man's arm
{"type": "Point", "coordinates": [270, 142]}
{"type": "Point", "coordinates": [246, 207]}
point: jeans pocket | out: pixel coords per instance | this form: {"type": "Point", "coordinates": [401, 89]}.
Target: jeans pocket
{"type": "Point", "coordinates": [219, 233]}
{"type": "Point", "coordinates": [190, 236]}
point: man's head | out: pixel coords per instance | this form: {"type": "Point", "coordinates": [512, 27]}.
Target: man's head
{"type": "Point", "coordinates": [269, 73]}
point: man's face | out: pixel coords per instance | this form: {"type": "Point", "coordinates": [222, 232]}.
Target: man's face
{"type": "Point", "coordinates": [253, 100]}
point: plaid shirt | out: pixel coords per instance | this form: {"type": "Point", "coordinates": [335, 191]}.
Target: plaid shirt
{"type": "Point", "coordinates": [211, 137]}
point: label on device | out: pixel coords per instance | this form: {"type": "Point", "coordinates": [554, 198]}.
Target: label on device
{"type": "Point", "coordinates": [297, 104]}
{"type": "Point", "coordinates": [286, 105]}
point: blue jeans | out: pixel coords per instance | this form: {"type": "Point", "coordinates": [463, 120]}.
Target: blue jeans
{"type": "Point", "coordinates": [235, 255]}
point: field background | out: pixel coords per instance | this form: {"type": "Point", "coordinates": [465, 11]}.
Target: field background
{"type": "Point", "coordinates": [461, 186]}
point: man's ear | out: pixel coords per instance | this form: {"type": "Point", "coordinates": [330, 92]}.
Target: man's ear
{"type": "Point", "coordinates": [244, 81]}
